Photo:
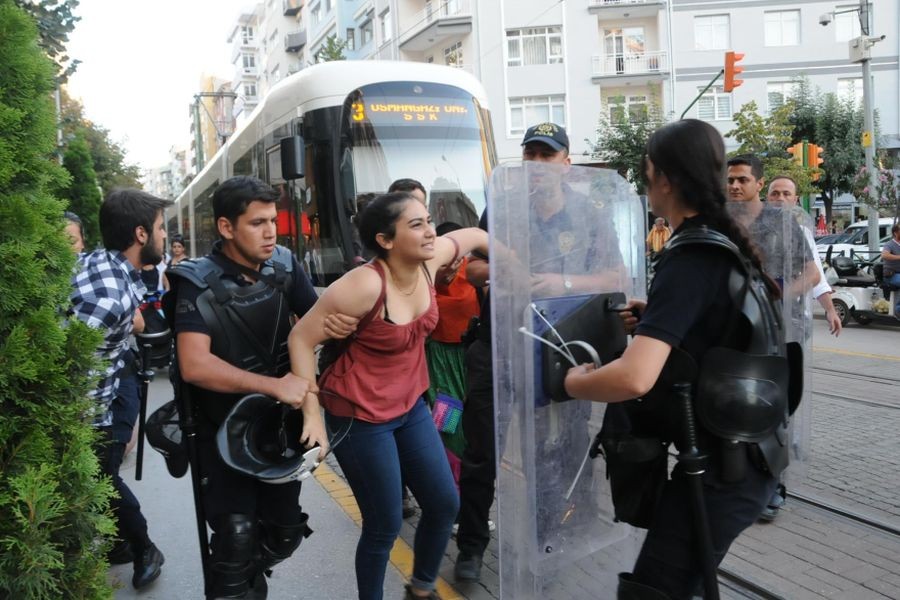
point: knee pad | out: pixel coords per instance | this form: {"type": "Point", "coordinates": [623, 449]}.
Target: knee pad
{"type": "Point", "coordinates": [278, 542]}
{"type": "Point", "coordinates": [233, 548]}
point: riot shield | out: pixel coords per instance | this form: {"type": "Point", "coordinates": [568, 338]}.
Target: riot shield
{"type": "Point", "coordinates": [567, 247]}
{"type": "Point", "coordinates": [779, 233]}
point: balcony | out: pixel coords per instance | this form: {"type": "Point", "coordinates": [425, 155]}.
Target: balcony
{"type": "Point", "coordinates": [623, 9]}
{"type": "Point", "coordinates": [291, 7]}
{"type": "Point", "coordinates": [629, 68]}
{"type": "Point", "coordinates": [434, 24]}
{"type": "Point", "coordinates": [246, 72]}
{"type": "Point", "coordinates": [294, 42]}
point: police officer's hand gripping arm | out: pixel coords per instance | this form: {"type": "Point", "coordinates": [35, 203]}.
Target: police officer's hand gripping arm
{"type": "Point", "coordinates": [202, 368]}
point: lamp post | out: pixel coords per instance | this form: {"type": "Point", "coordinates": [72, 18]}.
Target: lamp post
{"type": "Point", "coordinates": [861, 52]}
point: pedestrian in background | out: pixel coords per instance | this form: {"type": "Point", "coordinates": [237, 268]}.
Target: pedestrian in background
{"type": "Point", "coordinates": [108, 290]}
{"type": "Point", "coordinates": [658, 236]}
{"type": "Point", "coordinates": [890, 254]}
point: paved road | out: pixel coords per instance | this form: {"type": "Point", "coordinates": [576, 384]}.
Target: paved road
{"type": "Point", "coordinates": [805, 554]}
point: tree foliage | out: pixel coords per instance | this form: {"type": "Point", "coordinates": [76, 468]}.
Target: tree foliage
{"type": "Point", "coordinates": [332, 49]}
{"type": "Point", "coordinates": [54, 510]}
{"type": "Point", "coordinates": [768, 138]}
{"type": "Point", "coordinates": [82, 192]}
{"type": "Point", "coordinates": [55, 20]}
{"type": "Point", "coordinates": [108, 156]}
{"type": "Point", "coordinates": [622, 142]}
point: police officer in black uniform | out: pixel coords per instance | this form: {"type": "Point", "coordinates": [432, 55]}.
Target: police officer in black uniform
{"type": "Point", "coordinates": [689, 310]}
{"type": "Point", "coordinates": [232, 318]}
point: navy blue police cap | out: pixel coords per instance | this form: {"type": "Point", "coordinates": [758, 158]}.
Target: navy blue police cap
{"type": "Point", "coordinates": [548, 133]}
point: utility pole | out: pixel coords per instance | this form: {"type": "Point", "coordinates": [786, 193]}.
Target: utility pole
{"type": "Point", "coordinates": [198, 135]}
{"type": "Point", "coordinates": [861, 52]}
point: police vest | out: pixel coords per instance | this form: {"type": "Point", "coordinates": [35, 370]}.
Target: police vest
{"type": "Point", "coordinates": [248, 324]}
{"type": "Point", "coordinates": [746, 387]}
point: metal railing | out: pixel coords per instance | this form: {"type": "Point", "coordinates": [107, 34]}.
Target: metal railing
{"type": "Point", "coordinates": [630, 64]}
{"type": "Point", "coordinates": [601, 3]}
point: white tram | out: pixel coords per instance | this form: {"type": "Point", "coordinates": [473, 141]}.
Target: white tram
{"type": "Point", "coordinates": [340, 129]}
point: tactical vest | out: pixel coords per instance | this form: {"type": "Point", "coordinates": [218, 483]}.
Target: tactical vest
{"type": "Point", "coordinates": [248, 324]}
{"type": "Point", "coordinates": [746, 387]}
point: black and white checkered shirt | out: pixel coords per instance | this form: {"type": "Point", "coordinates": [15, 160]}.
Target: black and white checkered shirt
{"type": "Point", "coordinates": [107, 292]}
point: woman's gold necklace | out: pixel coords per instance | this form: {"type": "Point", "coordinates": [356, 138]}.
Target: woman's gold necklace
{"type": "Point", "coordinates": [399, 289]}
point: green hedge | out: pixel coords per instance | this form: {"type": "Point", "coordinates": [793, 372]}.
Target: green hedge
{"type": "Point", "coordinates": [54, 507]}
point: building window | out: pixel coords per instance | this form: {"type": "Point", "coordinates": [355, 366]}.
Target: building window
{"type": "Point", "coordinates": [315, 14]}
{"type": "Point", "coordinates": [711, 32]}
{"type": "Point", "coordinates": [386, 32]}
{"type": "Point", "coordinates": [714, 105]}
{"type": "Point", "coordinates": [624, 46]}
{"type": "Point", "coordinates": [328, 6]}
{"type": "Point", "coordinates": [248, 61]}
{"type": "Point", "coordinates": [846, 24]}
{"type": "Point", "coordinates": [351, 38]}
{"type": "Point", "coordinates": [249, 90]}
{"type": "Point", "coordinates": [779, 92]}
{"type": "Point", "coordinates": [530, 110]}
{"type": "Point", "coordinates": [247, 34]}
{"type": "Point", "coordinates": [534, 46]}
{"type": "Point", "coordinates": [851, 89]}
{"type": "Point", "coordinates": [365, 33]}
{"type": "Point", "coordinates": [453, 55]}
{"type": "Point", "coordinates": [429, 59]}
{"type": "Point", "coordinates": [627, 108]}
{"type": "Point", "coordinates": [782, 27]}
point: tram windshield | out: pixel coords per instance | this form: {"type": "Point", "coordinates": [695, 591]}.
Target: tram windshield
{"type": "Point", "coordinates": [425, 131]}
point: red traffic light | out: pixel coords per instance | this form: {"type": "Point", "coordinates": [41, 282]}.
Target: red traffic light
{"type": "Point", "coordinates": [731, 69]}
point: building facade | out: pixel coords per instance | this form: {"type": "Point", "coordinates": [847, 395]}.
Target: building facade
{"type": "Point", "coordinates": [576, 61]}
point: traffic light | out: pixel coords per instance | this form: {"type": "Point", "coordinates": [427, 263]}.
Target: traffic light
{"type": "Point", "coordinates": [797, 152]}
{"type": "Point", "coordinates": [731, 69]}
{"type": "Point", "coordinates": [814, 159]}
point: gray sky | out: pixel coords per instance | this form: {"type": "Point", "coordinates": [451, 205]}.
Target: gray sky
{"type": "Point", "coordinates": [142, 63]}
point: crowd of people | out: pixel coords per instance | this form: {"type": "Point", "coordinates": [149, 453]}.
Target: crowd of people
{"type": "Point", "coordinates": [418, 304]}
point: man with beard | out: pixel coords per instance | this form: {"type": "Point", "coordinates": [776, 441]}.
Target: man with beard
{"type": "Point", "coordinates": [107, 292]}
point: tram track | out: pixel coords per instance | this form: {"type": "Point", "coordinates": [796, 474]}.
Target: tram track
{"type": "Point", "coordinates": [876, 379]}
{"type": "Point", "coordinates": [890, 384]}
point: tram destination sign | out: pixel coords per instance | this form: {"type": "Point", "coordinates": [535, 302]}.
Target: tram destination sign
{"type": "Point", "coordinates": [417, 111]}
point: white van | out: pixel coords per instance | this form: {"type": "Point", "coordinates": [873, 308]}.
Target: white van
{"type": "Point", "coordinates": [857, 237]}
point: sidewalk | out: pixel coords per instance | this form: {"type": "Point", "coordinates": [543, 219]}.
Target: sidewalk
{"type": "Point", "coordinates": [322, 568]}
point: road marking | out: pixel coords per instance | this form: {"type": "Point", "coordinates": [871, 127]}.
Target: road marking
{"type": "Point", "coordinates": [852, 353]}
{"type": "Point", "coordinates": [401, 553]}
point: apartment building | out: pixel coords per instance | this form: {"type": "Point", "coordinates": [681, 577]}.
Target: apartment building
{"type": "Point", "coordinates": [782, 41]}
{"type": "Point", "coordinates": [168, 181]}
{"type": "Point", "coordinates": [212, 119]}
{"type": "Point", "coordinates": [576, 60]}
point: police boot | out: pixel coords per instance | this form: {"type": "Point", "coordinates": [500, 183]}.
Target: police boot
{"type": "Point", "coordinates": [278, 542]}
{"type": "Point", "coordinates": [231, 564]}
{"type": "Point", "coordinates": [630, 590]}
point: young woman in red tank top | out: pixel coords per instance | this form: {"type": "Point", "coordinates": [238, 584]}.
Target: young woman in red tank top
{"type": "Point", "coordinates": [373, 393]}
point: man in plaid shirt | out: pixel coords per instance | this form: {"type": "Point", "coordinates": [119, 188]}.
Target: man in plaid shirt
{"type": "Point", "coordinates": [107, 293]}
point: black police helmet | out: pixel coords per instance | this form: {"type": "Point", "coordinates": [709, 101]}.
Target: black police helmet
{"type": "Point", "coordinates": [260, 438]}
{"type": "Point", "coordinates": [163, 430]}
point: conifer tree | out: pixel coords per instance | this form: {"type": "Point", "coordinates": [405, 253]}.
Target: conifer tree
{"type": "Point", "coordinates": [83, 192]}
{"type": "Point", "coordinates": [54, 514]}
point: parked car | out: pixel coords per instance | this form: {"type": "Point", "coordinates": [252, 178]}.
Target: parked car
{"type": "Point", "coordinates": [857, 238]}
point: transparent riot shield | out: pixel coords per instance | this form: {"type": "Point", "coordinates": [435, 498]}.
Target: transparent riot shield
{"type": "Point", "coordinates": [779, 233]}
{"type": "Point", "coordinates": [567, 247]}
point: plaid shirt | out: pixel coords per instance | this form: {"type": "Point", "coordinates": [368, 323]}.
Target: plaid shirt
{"type": "Point", "coordinates": [108, 291]}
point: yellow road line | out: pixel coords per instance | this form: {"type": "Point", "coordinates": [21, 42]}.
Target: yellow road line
{"type": "Point", "coordinates": [852, 353]}
{"type": "Point", "coordinates": [401, 553]}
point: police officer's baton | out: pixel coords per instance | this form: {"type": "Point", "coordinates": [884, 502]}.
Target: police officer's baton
{"type": "Point", "coordinates": [146, 376]}
{"type": "Point", "coordinates": [189, 431]}
{"type": "Point", "coordinates": [694, 465]}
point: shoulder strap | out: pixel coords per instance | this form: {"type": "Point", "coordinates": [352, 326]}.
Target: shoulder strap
{"type": "Point", "coordinates": [376, 266]}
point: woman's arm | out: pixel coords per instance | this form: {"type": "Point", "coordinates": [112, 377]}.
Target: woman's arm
{"type": "Point", "coordinates": [625, 378]}
{"type": "Point", "coordinates": [470, 239]}
{"type": "Point", "coordinates": [352, 295]}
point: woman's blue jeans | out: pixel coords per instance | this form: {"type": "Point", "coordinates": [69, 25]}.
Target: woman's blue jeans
{"type": "Point", "coordinates": [375, 458]}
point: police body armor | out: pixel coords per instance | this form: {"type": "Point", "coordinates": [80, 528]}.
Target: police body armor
{"type": "Point", "coordinates": [248, 324]}
{"type": "Point", "coordinates": [747, 387]}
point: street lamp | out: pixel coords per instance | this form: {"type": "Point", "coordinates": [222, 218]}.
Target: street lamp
{"type": "Point", "coordinates": [861, 52]}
